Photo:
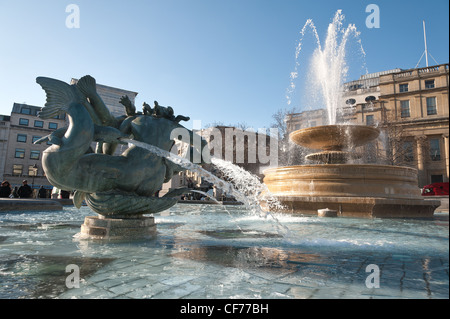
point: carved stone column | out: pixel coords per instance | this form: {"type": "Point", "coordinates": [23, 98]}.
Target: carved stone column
{"type": "Point", "coordinates": [420, 142]}
{"type": "Point", "coordinates": [446, 149]}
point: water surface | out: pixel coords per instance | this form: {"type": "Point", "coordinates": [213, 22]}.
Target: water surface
{"type": "Point", "coordinates": [213, 251]}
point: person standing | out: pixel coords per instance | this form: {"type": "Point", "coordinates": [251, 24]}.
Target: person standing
{"type": "Point", "coordinates": [25, 190]}
{"type": "Point", "coordinates": [42, 192]}
{"type": "Point", "coordinates": [5, 189]}
{"type": "Point", "coordinates": [14, 192]}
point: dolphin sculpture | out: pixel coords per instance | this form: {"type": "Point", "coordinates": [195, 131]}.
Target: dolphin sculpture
{"type": "Point", "coordinates": [111, 185]}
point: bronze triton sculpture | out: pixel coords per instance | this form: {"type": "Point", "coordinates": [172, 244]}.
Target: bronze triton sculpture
{"type": "Point", "coordinates": [120, 186]}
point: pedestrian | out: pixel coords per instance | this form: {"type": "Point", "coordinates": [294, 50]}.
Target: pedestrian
{"type": "Point", "coordinates": [5, 189]}
{"type": "Point", "coordinates": [210, 192]}
{"type": "Point", "coordinates": [15, 192]}
{"type": "Point", "coordinates": [25, 190]}
{"type": "Point", "coordinates": [42, 192]}
{"type": "Point", "coordinates": [65, 194]}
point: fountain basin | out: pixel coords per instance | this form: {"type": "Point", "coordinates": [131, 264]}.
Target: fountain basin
{"type": "Point", "coordinates": [333, 157]}
{"type": "Point", "coordinates": [361, 190]}
{"type": "Point", "coordinates": [29, 204]}
{"type": "Point", "coordinates": [343, 180]}
{"type": "Point", "coordinates": [200, 253]}
{"type": "Point", "coordinates": [334, 137]}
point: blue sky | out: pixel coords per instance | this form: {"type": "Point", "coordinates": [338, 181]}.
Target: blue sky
{"type": "Point", "coordinates": [212, 60]}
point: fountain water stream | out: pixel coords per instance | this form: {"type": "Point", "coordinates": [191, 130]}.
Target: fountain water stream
{"type": "Point", "coordinates": [244, 186]}
{"type": "Point", "coordinates": [328, 65]}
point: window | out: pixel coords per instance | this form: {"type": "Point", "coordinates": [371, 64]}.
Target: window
{"type": "Point", "coordinates": [23, 122]}
{"type": "Point", "coordinates": [370, 120]}
{"type": "Point", "coordinates": [431, 106]}
{"type": "Point", "coordinates": [20, 153]}
{"type": "Point", "coordinates": [404, 108]}
{"type": "Point", "coordinates": [35, 155]}
{"type": "Point", "coordinates": [429, 84]}
{"type": "Point", "coordinates": [25, 110]}
{"type": "Point", "coordinates": [38, 123]}
{"type": "Point", "coordinates": [52, 126]}
{"type": "Point", "coordinates": [35, 138]}
{"type": "Point", "coordinates": [371, 152]}
{"type": "Point", "coordinates": [17, 169]}
{"type": "Point", "coordinates": [408, 152]}
{"type": "Point", "coordinates": [60, 117]}
{"type": "Point", "coordinates": [22, 138]}
{"type": "Point", "coordinates": [32, 171]}
{"type": "Point", "coordinates": [437, 179]}
{"type": "Point", "coordinates": [403, 88]}
{"type": "Point", "coordinates": [435, 150]}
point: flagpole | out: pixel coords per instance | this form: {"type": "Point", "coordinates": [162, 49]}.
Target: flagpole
{"type": "Point", "coordinates": [425, 39]}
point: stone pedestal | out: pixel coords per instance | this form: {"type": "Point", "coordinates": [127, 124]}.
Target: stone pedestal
{"type": "Point", "coordinates": [100, 227]}
{"type": "Point", "coordinates": [326, 212]}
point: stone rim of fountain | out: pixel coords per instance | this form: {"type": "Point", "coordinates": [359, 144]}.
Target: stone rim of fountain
{"type": "Point", "coordinates": [354, 190]}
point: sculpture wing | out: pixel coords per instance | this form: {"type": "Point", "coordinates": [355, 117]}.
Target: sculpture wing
{"type": "Point", "coordinates": [59, 96]}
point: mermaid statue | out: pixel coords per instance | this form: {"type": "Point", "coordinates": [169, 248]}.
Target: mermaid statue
{"type": "Point", "coordinates": [115, 186]}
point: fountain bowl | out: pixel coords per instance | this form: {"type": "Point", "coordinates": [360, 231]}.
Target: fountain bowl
{"type": "Point", "coordinates": [334, 137]}
{"type": "Point", "coordinates": [354, 190]}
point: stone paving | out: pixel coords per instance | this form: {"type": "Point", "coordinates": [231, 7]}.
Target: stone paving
{"type": "Point", "coordinates": [163, 276]}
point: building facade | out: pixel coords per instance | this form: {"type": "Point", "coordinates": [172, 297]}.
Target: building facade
{"type": "Point", "coordinates": [411, 107]}
{"type": "Point", "coordinates": [240, 147]}
{"type": "Point", "coordinates": [5, 122]}
{"type": "Point", "coordinates": [297, 121]}
{"type": "Point", "coordinates": [416, 103]}
{"type": "Point", "coordinates": [23, 158]}
{"type": "Point", "coordinates": [111, 97]}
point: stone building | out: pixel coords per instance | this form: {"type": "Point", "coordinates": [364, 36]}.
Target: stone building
{"type": "Point", "coordinates": [5, 122]}
{"type": "Point", "coordinates": [23, 158]}
{"type": "Point", "coordinates": [358, 96]}
{"type": "Point", "coordinates": [297, 121]}
{"type": "Point", "coordinates": [411, 107]}
{"type": "Point", "coordinates": [111, 97]}
{"type": "Point", "coordinates": [415, 105]}
{"type": "Point", "coordinates": [242, 148]}
{"type": "Point", "coordinates": [361, 97]}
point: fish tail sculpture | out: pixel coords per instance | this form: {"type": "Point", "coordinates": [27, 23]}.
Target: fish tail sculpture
{"type": "Point", "coordinates": [62, 156]}
{"type": "Point", "coordinates": [110, 185]}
